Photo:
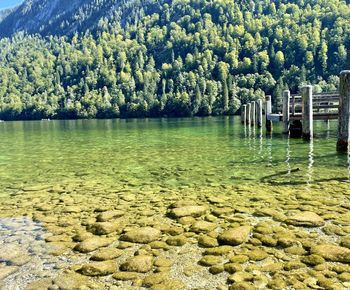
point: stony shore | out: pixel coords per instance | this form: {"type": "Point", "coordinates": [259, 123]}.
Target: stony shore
{"type": "Point", "coordinates": [215, 237]}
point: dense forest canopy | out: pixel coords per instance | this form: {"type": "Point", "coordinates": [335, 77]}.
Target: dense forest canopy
{"type": "Point", "coordinates": [174, 58]}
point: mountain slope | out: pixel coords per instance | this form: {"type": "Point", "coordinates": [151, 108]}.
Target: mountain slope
{"type": "Point", "coordinates": [169, 58]}
{"type": "Point", "coordinates": [60, 17]}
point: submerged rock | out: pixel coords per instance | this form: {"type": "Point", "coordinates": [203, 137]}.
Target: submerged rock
{"type": "Point", "coordinates": [332, 253]}
{"type": "Point", "coordinates": [306, 219]}
{"type": "Point", "coordinates": [155, 279]}
{"type": "Point", "coordinates": [99, 268]}
{"type": "Point", "coordinates": [71, 281]}
{"type": "Point", "coordinates": [108, 215]}
{"type": "Point", "coordinates": [235, 236]}
{"type": "Point", "coordinates": [126, 276]}
{"type": "Point", "coordinates": [143, 235]}
{"type": "Point", "coordinates": [345, 242]}
{"type": "Point", "coordinates": [190, 210]}
{"type": "Point", "coordinates": [203, 227]}
{"type": "Point", "coordinates": [7, 271]}
{"type": "Point", "coordinates": [92, 244]}
{"type": "Point", "coordinates": [139, 264]}
{"type": "Point", "coordinates": [207, 242]}
{"type": "Point", "coordinates": [106, 254]}
{"type": "Point", "coordinates": [104, 228]}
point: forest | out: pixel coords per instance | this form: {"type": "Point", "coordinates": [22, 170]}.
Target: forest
{"type": "Point", "coordinates": [175, 59]}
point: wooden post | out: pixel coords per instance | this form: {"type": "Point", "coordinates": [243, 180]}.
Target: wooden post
{"type": "Point", "coordinates": [293, 105]}
{"type": "Point", "coordinates": [252, 113]}
{"type": "Point", "coordinates": [248, 114]}
{"type": "Point", "coordinates": [307, 109]}
{"type": "Point", "coordinates": [268, 111]}
{"type": "Point", "coordinates": [243, 114]}
{"type": "Point", "coordinates": [259, 113]}
{"type": "Point", "coordinates": [286, 104]}
{"type": "Point", "coordinates": [344, 112]}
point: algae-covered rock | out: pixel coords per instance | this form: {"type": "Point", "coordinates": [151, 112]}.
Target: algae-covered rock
{"type": "Point", "coordinates": [219, 251]}
{"type": "Point", "coordinates": [169, 284]}
{"type": "Point", "coordinates": [312, 260]}
{"type": "Point", "coordinates": [235, 236]}
{"type": "Point", "coordinates": [232, 268]}
{"type": "Point", "coordinates": [242, 286]}
{"type": "Point", "coordinates": [104, 228]}
{"type": "Point", "coordinates": [207, 242]}
{"type": "Point", "coordinates": [7, 271]}
{"type": "Point", "coordinates": [163, 262]}
{"type": "Point", "coordinates": [190, 210]}
{"type": "Point", "coordinates": [155, 279]}
{"type": "Point", "coordinates": [216, 269]}
{"type": "Point", "coordinates": [172, 230]}
{"type": "Point", "coordinates": [126, 276]}
{"type": "Point", "coordinates": [98, 268]}
{"type": "Point", "coordinates": [92, 244]}
{"type": "Point", "coordinates": [332, 253]}
{"type": "Point", "coordinates": [176, 240]}
{"type": "Point", "coordinates": [257, 255]}
{"type": "Point", "coordinates": [238, 259]}
{"type": "Point", "coordinates": [159, 245]}
{"type": "Point", "coordinates": [306, 219]}
{"type": "Point", "coordinates": [345, 242]}
{"type": "Point", "coordinates": [71, 281]}
{"type": "Point", "coordinates": [202, 227]}
{"type": "Point", "coordinates": [108, 215]}
{"type": "Point", "coordinates": [209, 260]}
{"type": "Point", "coordinates": [240, 277]}
{"type": "Point", "coordinates": [142, 235]}
{"type": "Point", "coordinates": [139, 264]}
{"type": "Point", "coordinates": [42, 284]}
{"type": "Point", "coordinates": [106, 254]}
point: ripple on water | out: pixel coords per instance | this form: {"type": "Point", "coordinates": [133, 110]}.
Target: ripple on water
{"type": "Point", "coordinates": [24, 254]}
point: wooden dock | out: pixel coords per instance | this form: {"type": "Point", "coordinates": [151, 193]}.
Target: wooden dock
{"type": "Point", "coordinates": [300, 110]}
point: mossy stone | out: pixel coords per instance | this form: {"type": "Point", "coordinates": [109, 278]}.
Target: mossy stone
{"type": "Point", "coordinates": [207, 242]}
{"type": "Point", "coordinates": [209, 260]}
{"type": "Point", "coordinates": [312, 260]}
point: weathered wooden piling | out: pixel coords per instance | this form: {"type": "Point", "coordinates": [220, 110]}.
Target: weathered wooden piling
{"type": "Point", "coordinates": [248, 121]}
{"type": "Point", "coordinates": [252, 114]}
{"type": "Point", "coordinates": [268, 111]}
{"type": "Point", "coordinates": [344, 112]}
{"type": "Point", "coordinates": [243, 114]}
{"type": "Point", "coordinates": [259, 113]}
{"type": "Point", "coordinates": [286, 115]}
{"type": "Point", "coordinates": [307, 112]}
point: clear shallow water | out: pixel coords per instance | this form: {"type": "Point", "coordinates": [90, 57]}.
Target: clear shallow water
{"type": "Point", "coordinates": [63, 174]}
{"type": "Point", "coordinates": [165, 152]}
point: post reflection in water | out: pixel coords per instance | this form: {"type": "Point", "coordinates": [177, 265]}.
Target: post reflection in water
{"type": "Point", "coordinates": [288, 156]}
{"type": "Point", "coordinates": [348, 164]}
{"type": "Point", "coordinates": [269, 149]}
{"type": "Point", "coordinates": [260, 142]}
{"type": "Point", "coordinates": [310, 169]}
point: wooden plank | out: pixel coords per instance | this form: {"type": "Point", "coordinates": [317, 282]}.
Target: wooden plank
{"type": "Point", "coordinates": [316, 116]}
{"type": "Point", "coordinates": [274, 117]}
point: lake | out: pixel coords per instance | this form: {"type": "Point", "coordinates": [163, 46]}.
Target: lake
{"type": "Point", "coordinates": [181, 192]}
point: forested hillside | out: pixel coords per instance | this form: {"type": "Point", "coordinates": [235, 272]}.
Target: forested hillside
{"type": "Point", "coordinates": [171, 58]}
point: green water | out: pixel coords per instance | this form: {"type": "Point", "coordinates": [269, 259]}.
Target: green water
{"type": "Point", "coordinates": [58, 176]}
{"type": "Point", "coordinates": [163, 152]}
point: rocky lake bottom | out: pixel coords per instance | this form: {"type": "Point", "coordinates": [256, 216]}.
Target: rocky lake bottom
{"type": "Point", "coordinates": [87, 214]}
